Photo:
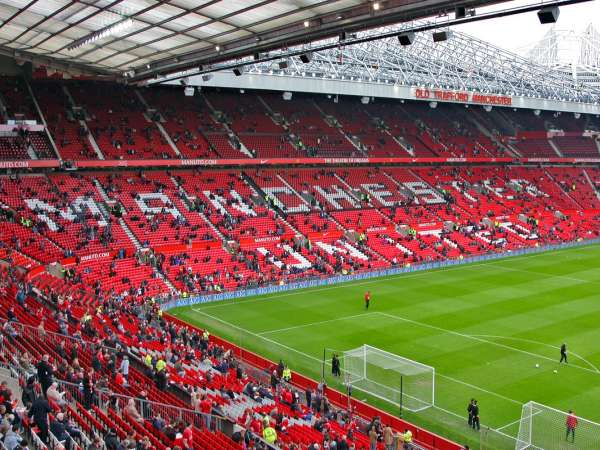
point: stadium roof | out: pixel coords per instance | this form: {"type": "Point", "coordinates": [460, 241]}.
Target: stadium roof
{"type": "Point", "coordinates": [384, 68]}
{"type": "Point", "coordinates": [158, 34]}
{"type": "Point", "coordinates": [570, 51]}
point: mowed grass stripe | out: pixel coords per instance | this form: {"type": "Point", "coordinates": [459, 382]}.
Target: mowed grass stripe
{"type": "Point", "coordinates": [547, 298]}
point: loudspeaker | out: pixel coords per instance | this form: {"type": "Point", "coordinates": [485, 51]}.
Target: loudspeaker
{"type": "Point", "coordinates": [549, 14]}
{"type": "Point", "coordinates": [237, 71]}
{"type": "Point", "coordinates": [343, 36]}
{"type": "Point", "coordinates": [440, 36]}
{"type": "Point", "coordinates": [460, 12]}
{"type": "Point", "coordinates": [283, 65]}
{"type": "Point", "coordinates": [306, 58]}
{"type": "Point", "coordinates": [406, 38]}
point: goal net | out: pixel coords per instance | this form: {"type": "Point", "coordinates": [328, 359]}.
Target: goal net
{"type": "Point", "coordinates": [401, 381]}
{"type": "Point", "coordinates": [545, 428]}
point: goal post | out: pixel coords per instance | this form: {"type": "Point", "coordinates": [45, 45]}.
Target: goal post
{"type": "Point", "coordinates": [545, 428]}
{"type": "Point", "coordinates": [390, 377]}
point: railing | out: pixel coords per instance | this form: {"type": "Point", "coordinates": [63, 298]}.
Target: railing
{"type": "Point", "coordinates": [316, 282]}
{"type": "Point", "coordinates": [148, 409]}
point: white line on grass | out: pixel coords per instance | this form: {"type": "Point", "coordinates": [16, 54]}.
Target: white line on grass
{"type": "Point", "coordinates": [200, 311]}
{"type": "Point", "coordinates": [556, 347]}
{"type": "Point", "coordinates": [303, 291]}
{"type": "Point", "coordinates": [304, 325]}
{"type": "Point", "coordinates": [479, 339]}
{"type": "Point", "coordinates": [320, 361]}
{"type": "Point", "coordinates": [550, 275]}
{"type": "Point", "coordinates": [464, 383]}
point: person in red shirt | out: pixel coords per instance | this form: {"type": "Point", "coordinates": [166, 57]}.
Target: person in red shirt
{"type": "Point", "coordinates": [188, 437]}
{"type": "Point", "coordinates": [119, 379]}
{"type": "Point", "coordinates": [571, 425]}
{"type": "Point", "coordinates": [367, 299]}
{"type": "Point", "coordinates": [206, 410]}
{"type": "Point", "coordinates": [178, 441]}
{"type": "Point", "coordinates": [256, 426]}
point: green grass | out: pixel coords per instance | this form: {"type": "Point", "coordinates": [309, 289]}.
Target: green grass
{"type": "Point", "coordinates": [483, 326]}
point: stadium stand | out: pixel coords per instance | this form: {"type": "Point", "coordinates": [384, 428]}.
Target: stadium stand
{"type": "Point", "coordinates": [119, 122]}
{"type": "Point", "coordinates": [64, 123]}
{"type": "Point", "coordinates": [168, 391]}
{"type": "Point", "coordinates": [96, 252]}
{"type": "Point", "coordinates": [207, 231]}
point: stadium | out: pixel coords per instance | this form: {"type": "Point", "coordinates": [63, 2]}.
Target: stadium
{"type": "Point", "coordinates": [299, 225]}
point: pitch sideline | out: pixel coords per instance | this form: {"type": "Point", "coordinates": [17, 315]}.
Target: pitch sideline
{"type": "Point", "coordinates": [302, 291]}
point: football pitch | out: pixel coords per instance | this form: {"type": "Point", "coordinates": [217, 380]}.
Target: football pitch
{"type": "Point", "coordinates": [483, 326]}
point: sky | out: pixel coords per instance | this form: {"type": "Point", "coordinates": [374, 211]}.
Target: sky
{"type": "Point", "coordinates": [517, 33]}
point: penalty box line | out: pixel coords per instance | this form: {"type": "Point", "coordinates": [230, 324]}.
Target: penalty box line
{"type": "Point", "coordinates": [305, 325]}
{"type": "Point", "coordinates": [320, 361]}
{"type": "Point", "coordinates": [474, 337]}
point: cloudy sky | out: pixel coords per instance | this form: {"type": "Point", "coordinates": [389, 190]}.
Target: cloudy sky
{"type": "Point", "coordinates": [519, 32]}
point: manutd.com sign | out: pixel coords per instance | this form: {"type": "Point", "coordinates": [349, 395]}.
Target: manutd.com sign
{"type": "Point", "coordinates": [461, 96]}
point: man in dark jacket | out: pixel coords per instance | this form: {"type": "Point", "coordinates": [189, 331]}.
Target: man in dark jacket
{"type": "Point", "coordinates": [111, 441]}
{"type": "Point", "coordinates": [28, 396]}
{"type": "Point", "coordinates": [470, 412]}
{"type": "Point", "coordinates": [39, 411]}
{"type": "Point", "coordinates": [44, 373]}
{"type": "Point", "coordinates": [58, 428]}
{"type": "Point", "coordinates": [475, 412]}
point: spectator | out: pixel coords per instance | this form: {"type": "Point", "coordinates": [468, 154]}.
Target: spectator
{"type": "Point", "coordinates": [28, 396]}
{"type": "Point", "coordinates": [388, 438]}
{"type": "Point", "coordinates": [96, 444]}
{"type": "Point", "coordinates": [58, 427]}
{"type": "Point", "coordinates": [39, 411]}
{"type": "Point", "coordinates": [125, 367]}
{"type": "Point", "coordinates": [372, 438]}
{"type": "Point", "coordinates": [132, 411]}
{"type": "Point", "coordinates": [111, 440]}
{"type": "Point", "coordinates": [12, 439]}
{"type": "Point", "coordinates": [44, 373]}
{"type": "Point", "coordinates": [54, 396]}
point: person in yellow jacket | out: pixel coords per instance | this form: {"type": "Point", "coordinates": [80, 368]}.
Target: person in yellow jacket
{"type": "Point", "coordinates": [160, 365]}
{"type": "Point", "coordinates": [286, 374]}
{"type": "Point", "coordinates": [270, 435]}
{"type": "Point", "coordinates": [148, 360]}
{"type": "Point", "coordinates": [407, 439]}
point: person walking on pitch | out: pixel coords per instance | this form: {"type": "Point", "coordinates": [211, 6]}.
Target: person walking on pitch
{"type": "Point", "coordinates": [367, 299]}
{"type": "Point", "coordinates": [563, 354]}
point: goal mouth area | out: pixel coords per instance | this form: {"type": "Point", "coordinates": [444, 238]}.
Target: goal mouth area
{"type": "Point", "coordinates": [392, 378]}
{"type": "Point", "coordinates": [543, 427]}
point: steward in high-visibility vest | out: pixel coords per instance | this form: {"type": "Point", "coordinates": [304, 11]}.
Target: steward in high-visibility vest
{"type": "Point", "coordinates": [287, 374]}
{"type": "Point", "coordinates": [407, 437]}
{"type": "Point", "coordinates": [160, 365]}
{"type": "Point", "coordinates": [270, 435]}
{"type": "Point", "coordinates": [148, 360]}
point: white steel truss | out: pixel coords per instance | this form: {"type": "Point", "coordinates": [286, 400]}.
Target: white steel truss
{"type": "Point", "coordinates": [462, 62]}
{"type": "Point", "coordinates": [572, 52]}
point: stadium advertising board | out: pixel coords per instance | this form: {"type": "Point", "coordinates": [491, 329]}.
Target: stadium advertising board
{"type": "Point", "coordinates": [462, 96]}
